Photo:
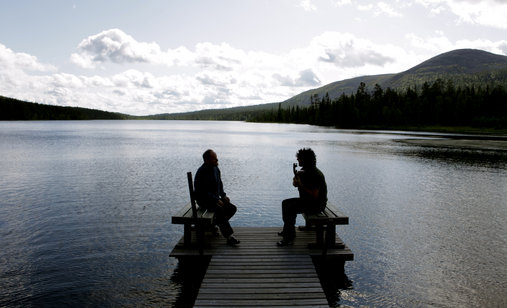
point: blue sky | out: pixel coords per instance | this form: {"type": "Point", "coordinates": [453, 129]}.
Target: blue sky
{"type": "Point", "coordinates": [150, 57]}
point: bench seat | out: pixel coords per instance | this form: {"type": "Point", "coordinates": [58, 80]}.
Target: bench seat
{"type": "Point", "coordinates": [204, 218]}
{"type": "Point", "coordinates": [325, 221]}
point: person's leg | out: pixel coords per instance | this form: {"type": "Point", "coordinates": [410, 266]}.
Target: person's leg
{"type": "Point", "coordinates": [290, 209]}
{"type": "Point", "coordinates": [229, 210]}
{"type": "Point", "coordinates": [222, 216]}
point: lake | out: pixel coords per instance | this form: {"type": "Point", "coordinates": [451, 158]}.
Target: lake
{"type": "Point", "coordinates": [85, 209]}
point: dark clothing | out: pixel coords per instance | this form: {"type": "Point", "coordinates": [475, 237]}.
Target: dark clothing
{"type": "Point", "coordinates": [208, 191]}
{"type": "Point", "coordinates": [208, 186]}
{"type": "Point", "coordinates": [222, 215]}
{"type": "Point", "coordinates": [312, 179]}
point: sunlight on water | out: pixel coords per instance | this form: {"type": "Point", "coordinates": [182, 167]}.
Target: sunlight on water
{"type": "Point", "coordinates": [85, 209]}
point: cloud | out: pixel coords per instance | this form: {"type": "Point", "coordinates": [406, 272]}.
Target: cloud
{"type": "Point", "coordinates": [116, 46]}
{"type": "Point", "coordinates": [10, 60]}
{"type": "Point", "coordinates": [380, 8]}
{"type": "Point", "coordinates": [305, 78]}
{"type": "Point", "coordinates": [346, 50]}
{"type": "Point", "coordinates": [339, 3]}
{"type": "Point", "coordinates": [491, 13]}
{"type": "Point", "coordinates": [440, 43]}
{"type": "Point", "coordinates": [307, 5]}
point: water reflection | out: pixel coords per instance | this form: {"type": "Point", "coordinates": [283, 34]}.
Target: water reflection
{"type": "Point", "coordinates": [188, 275]}
{"type": "Point", "coordinates": [461, 153]}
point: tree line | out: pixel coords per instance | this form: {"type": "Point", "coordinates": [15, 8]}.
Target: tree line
{"type": "Point", "coordinates": [13, 109]}
{"type": "Point", "coordinates": [439, 103]}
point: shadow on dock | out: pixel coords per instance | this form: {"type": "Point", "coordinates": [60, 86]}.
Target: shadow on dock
{"type": "Point", "coordinates": [332, 278]}
{"type": "Point", "coordinates": [189, 275]}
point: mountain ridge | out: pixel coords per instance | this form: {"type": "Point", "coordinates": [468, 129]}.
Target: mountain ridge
{"type": "Point", "coordinates": [471, 67]}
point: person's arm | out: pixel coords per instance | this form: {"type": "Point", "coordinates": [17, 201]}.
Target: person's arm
{"type": "Point", "coordinates": [223, 195]}
{"type": "Point", "coordinates": [313, 192]}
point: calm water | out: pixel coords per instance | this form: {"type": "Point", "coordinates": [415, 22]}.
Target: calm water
{"type": "Point", "coordinates": [85, 209]}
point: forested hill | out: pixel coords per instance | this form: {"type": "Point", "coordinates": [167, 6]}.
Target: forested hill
{"type": "Point", "coordinates": [13, 109]}
{"type": "Point", "coordinates": [464, 67]}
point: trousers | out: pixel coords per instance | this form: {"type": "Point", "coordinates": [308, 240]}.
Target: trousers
{"type": "Point", "coordinates": [222, 216]}
{"type": "Point", "coordinates": [293, 206]}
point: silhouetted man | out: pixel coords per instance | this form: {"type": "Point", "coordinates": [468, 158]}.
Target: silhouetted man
{"type": "Point", "coordinates": [312, 189]}
{"type": "Point", "coordinates": [209, 194]}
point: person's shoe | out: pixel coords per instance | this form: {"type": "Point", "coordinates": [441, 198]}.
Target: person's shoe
{"type": "Point", "coordinates": [214, 231]}
{"type": "Point", "coordinates": [285, 242]}
{"type": "Point", "coordinates": [232, 241]}
{"type": "Point", "coordinates": [281, 233]}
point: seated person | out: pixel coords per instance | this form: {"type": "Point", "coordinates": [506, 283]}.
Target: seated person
{"type": "Point", "coordinates": [209, 194]}
{"type": "Point", "coordinates": [312, 199]}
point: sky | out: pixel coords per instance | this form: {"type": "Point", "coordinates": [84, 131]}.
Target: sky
{"type": "Point", "coordinates": [159, 56]}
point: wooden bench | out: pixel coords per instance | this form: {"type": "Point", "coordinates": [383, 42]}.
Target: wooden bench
{"type": "Point", "coordinates": [325, 221]}
{"type": "Point", "coordinates": [193, 218]}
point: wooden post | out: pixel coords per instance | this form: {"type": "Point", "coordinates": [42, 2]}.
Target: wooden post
{"type": "Point", "coordinates": [199, 232]}
{"type": "Point", "coordinates": [191, 191]}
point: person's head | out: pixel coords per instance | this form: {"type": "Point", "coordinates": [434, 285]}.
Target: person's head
{"type": "Point", "coordinates": [210, 158]}
{"type": "Point", "coordinates": [306, 158]}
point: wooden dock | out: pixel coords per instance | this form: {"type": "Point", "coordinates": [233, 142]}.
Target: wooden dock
{"type": "Point", "coordinates": [259, 273]}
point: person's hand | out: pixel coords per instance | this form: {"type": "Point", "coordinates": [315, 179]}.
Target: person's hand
{"type": "Point", "coordinates": [227, 199]}
{"type": "Point", "coordinates": [296, 181]}
{"type": "Point", "coordinates": [220, 203]}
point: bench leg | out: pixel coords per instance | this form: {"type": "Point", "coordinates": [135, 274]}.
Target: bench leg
{"type": "Point", "coordinates": [319, 235]}
{"type": "Point", "coordinates": [200, 238]}
{"type": "Point", "coordinates": [330, 235]}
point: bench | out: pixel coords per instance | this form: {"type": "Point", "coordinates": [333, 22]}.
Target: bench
{"type": "Point", "coordinates": [325, 221]}
{"type": "Point", "coordinates": [193, 218]}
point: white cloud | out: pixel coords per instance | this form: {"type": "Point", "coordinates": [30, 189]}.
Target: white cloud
{"type": "Point", "coordinates": [440, 43]}
{"type": "Point", "coordinates": [342, 2]}
{"type": "Point", "coordinates": [346, 50]}
{"type": "Point", "coordinates": [490, 13]}
{"type": "Point", "coordinates": [10, 60]}
{"type": "Point", "coordinates": [116, 46]}
{"type": "Point", "coordinates": [381, 8]}
{"type": "Point", "coordinates": [306, 78]}
{"type": "Point", "coordinates": [307, 5]}
{"type": "Point", "coordinates": [388, 9]}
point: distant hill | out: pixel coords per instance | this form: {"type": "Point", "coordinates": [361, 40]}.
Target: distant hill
{"type": "Point", "coordinates": [465, 67]}
{"type": "Point", "coordinates": [13, 109]}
